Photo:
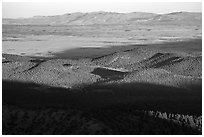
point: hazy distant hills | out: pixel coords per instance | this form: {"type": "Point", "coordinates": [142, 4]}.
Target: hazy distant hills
{"type": "Point", "coordinates": [108, 18]}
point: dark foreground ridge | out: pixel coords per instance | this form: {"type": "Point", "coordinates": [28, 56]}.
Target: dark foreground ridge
{"type": "Point", "coordinates": [38, 109]}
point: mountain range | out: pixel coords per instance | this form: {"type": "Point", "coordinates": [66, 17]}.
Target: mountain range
{"type": "Point", "coordinates": [101, 17]}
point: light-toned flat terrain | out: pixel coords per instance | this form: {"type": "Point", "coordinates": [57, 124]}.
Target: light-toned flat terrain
{"type": "Point", "coordinates": [46, 45]}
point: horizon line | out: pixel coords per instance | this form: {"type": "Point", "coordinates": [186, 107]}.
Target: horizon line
{"type": "Point", "coordinates": [101, 12]}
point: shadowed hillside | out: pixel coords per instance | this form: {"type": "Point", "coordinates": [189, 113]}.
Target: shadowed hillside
{"type": "Point", "coordinates": [109, 107]}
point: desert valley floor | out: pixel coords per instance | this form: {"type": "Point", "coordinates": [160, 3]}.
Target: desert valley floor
{"type": "Point", "coordinates": [139, 76]}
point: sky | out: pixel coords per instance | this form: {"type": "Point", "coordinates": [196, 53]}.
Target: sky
{"type": "Point", "coordinates": [30, 9]}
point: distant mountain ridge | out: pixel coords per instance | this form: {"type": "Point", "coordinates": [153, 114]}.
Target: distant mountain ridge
{"type": "Point", "coordinates": [102, 17]}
